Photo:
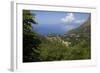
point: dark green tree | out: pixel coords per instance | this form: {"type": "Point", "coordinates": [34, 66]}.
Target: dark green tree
{"type": "Point", "coordinates": [30, 38]}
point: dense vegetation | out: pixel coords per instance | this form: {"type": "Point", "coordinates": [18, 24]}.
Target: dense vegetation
{"type": "Point", "coordinates": [74, 45]}
{"type": "Point", "coordinates": [30, 38]}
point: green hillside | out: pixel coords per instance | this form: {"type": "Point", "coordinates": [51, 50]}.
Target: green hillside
{"type": "Point", "coordinates": [80, 39]}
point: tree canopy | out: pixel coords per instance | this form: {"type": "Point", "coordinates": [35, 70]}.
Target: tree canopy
{"type": "Point", "coordinates": [30, 38]}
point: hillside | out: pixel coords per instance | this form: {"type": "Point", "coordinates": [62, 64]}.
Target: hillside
{"type": "Point", "coordinates": [80, 39]}
{"type": "Point", "coordinates": [81, 31]}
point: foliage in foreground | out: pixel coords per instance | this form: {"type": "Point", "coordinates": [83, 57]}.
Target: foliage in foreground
{"type": "Point", "coordinates": [55, 50]}
{"type": "Point", "coordinates": [30, 39]}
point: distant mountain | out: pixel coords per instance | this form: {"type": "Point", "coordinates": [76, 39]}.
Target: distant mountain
{"type": "Point", "coordinates": [79, 34]}
{"type": "Point", "coordinates": [82, 31]}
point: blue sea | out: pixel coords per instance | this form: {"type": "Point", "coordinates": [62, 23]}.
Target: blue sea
{"type": "Point", "coordinates": [45, 29]}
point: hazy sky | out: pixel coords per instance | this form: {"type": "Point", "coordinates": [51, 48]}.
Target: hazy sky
{"type": "Point", "coordinates": [58, 22]}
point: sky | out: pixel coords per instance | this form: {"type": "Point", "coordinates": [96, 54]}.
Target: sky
{"type": "Point", "coordinates": [57, 22]}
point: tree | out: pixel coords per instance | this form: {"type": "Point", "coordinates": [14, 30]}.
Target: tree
{"type": "Point", "coordinates": [30, 38]}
